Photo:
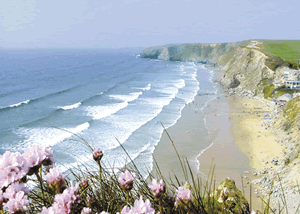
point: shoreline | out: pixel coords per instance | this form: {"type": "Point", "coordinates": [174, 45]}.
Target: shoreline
{"type": "Point", "coordinates": [229, 161]}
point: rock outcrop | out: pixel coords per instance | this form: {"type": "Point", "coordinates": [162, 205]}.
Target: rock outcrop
{"type": "Point", "coordinates": [243, 65]}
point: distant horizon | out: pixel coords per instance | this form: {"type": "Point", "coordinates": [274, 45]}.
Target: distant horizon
{"type": "Point", "coordinates": [135, 47]}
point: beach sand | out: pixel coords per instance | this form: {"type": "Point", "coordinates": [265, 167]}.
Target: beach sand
{"type": "Point", "coordinates": [253, 139]}
{"type": "Point", "coordinates": [189, 135]}
{"type": "Point", "coordinates": [240, 142]}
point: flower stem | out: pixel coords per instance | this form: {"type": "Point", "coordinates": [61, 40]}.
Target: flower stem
{"type": "Point", "coordinates": [100, 169]}
{"type": "Point", "coordinates": [39, 177]}
{"type": "Point", "coordinates": [159, 206]}
{"type": "Point", "coordinates": [127, 196]}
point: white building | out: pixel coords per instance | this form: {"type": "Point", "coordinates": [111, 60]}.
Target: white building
{"type": "Point", "coordinates": [291, 78]}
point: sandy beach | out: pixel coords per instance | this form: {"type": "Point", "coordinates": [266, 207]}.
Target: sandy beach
{"type": "Point", "coordinates": [237, 141]}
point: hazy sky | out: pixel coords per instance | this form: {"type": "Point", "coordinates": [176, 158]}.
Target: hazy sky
{"type": "Point", "coordinates": [143, 23]}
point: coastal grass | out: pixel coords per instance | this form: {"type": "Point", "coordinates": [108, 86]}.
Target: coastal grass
{"type": "Point", "coordinates": [286, 49]}
{"type": "Point", "coordinates": [291, 112]}
{"type": "Point", "coordinates": [268, 91]}
{"type": "Point", "coordinates": [282, 90]}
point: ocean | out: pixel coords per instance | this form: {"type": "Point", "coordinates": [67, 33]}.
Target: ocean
{"type": "Point", "coordinates": [57, 98]}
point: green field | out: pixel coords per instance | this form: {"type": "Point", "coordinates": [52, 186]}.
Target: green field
{"type": "Point", "coordinates": [286, 49]}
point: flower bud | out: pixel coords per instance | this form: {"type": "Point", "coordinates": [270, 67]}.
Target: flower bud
{"type": "Point", "coordinates": [187, 185]}
{"type": "Point", "coordinates": [97, 154]}
{"type": "Point", "coordinates": [84, 184]}
{"type": "Point", "coordinates": [89, 201]}
{"type": "Point", "coordinates": [224, 194]}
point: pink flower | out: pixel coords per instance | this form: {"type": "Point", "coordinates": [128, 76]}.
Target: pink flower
{"type": "Point", "coordinates": [13, 167]}
{"type": "Point", "coordinates": [63, 202]}
{"type": "Point", "coordinates": [182, 194]}
{"type": "Point", "coordinates": [141, 207]}
{"type": "Point", "coordinates": [126, 210]}
{"type": "Point", "coordinates": [126, 180]}
{"type": "Point", "coordinates": [37, 156]}
{"type": "Point", "coordinates": [89, 200]}
{"type": "Point", "coordinates": [97, 154]}
{"type": "Point", "coordinates": [18, 203]}
{"type": "Point", "coordinates": [84, 183]}
{"type": "Point", "coordinates": [86, 210]}
{"type": "Point", "coordinates": [55, 180]}
{"type": "Point", "coordinates": [224, 195]}
{"type": "Point", "coordinates": [13, 189]}
{"type": "Point", "coordinates": [47, 210]}
{"type": "Point", "coordinates": [157, 188]}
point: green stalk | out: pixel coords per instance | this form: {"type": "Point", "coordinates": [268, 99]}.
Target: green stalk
{"type": "Point", "coordinates": [100, 169]}
{"type": "Point", "coordinates": [127, 196]}
{"type": "Point", "coordinates": [39, 177]}
{"type": "Point", "coordinates": [159, 205]}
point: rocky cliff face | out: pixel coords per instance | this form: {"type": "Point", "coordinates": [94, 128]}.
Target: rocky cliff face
{"type": "Point", "coordinates": [244, 66]}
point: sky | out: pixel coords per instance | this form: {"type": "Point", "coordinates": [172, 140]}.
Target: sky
{"type": "Point", "coordinates": [143, 23]}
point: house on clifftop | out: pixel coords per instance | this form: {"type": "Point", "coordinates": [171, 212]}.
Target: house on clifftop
{"type": "Point", "coordinates": [291, 78]}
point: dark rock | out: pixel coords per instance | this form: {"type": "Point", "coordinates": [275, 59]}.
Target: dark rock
{"type": "Point", "coordinates": [235, 83]}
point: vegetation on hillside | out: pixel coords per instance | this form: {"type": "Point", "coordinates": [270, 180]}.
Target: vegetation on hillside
{"type": "Point", "coordinates": [281, 53]}
{"type": "Point", "coordinates": [291, 113]}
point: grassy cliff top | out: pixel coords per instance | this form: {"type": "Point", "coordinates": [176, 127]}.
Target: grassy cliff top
{"type": "Point", "coordinates": [286, 49]}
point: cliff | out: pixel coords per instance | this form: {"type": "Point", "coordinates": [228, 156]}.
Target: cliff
{"type": "Point", "coordinates": [243, 63]}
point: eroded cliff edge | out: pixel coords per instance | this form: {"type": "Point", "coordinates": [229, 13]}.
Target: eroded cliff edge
{"type": "Point", "coordinates": [242, 62]}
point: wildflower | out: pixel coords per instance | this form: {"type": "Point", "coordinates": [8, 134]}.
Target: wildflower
{"type": "Point", "coordinates": [63, 202]}
{"type": "Point", "coordinates": [187, 185]}
{"type": "Point", "coordinates": [13, 167]}
{"type": "Point", "coordinates": [143, 207]}
{"type": "Point", "coordinates": [89, 201]}
{"type": "Point", "coordinates": [126, 210]}
{"type": "Point", "coordinates": [103, 212]}
{"type": "Point", "coordinates": [38, 156]}
{"type": "Point", "coordinates": [86, 210]}
{"type": "Point", "coordinates": [183, 193]}
{"type": "Point", "coordinates": [56, 180]}
{"type": "Point", "coordinates": [97, 155]}
{"type": "Point", "coordinates": [18, 203]}
{"type": "Point", "coordinates": [126, 180]}
{"type": "Point", "coordinates": [224, 194]}
{"type": "Point", "coordinates": [253, 212]}
{"type": "Point", "coordinates": [13, 189]}
{"type": "Point", "coordinates": [157, 188]}
{"type": "Point", "coordinates": [84, 184]}
{"type": "Point", "coordinates": [47, 210]}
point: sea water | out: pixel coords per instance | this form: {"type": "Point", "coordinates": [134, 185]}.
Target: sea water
{"type": "Point", "coordinates": [64, 98]}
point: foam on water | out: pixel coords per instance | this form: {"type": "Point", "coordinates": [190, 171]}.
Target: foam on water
{"type": "Point", "coordinates": [147, 88]}
{"type": "Point", "coordinates": [47, 136]}
{"type": "Point", "coordinates": [20, 103]}
{"type": "Point", "coordinates": [99, 112]}
{"type": "Point", "coordinates": [127, 98]}
{"type": "Point", "coordinates": [16, 105]}
{"type": "Point", "coordinates": [73, 106]}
